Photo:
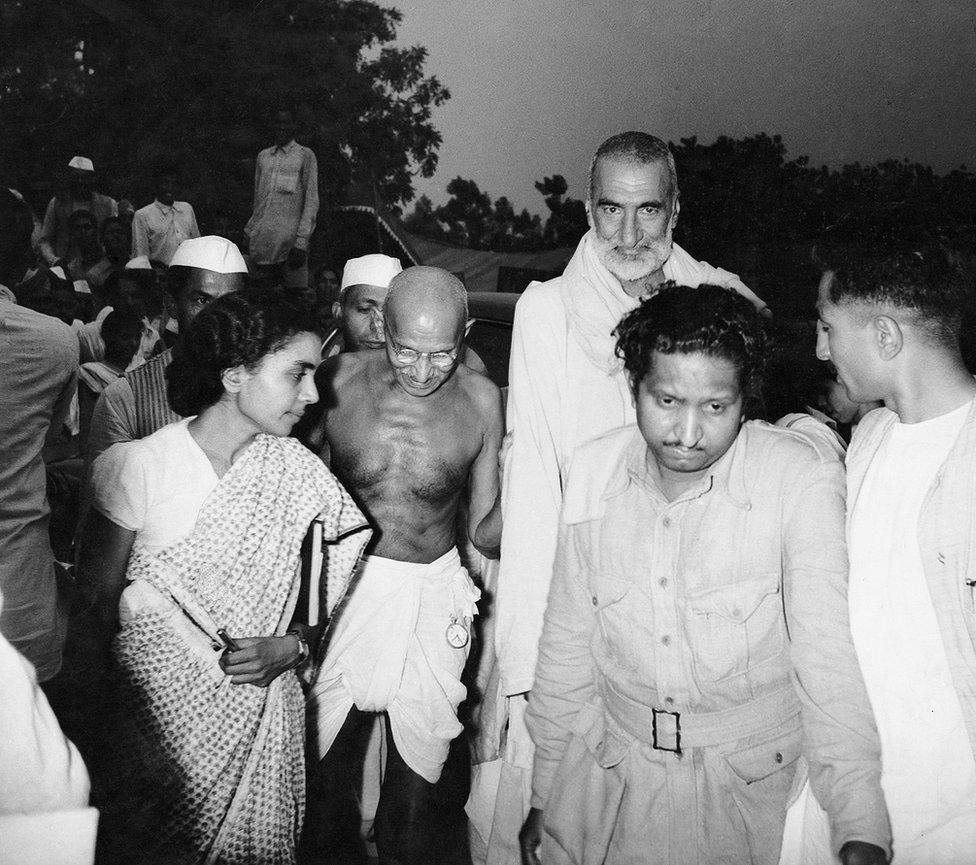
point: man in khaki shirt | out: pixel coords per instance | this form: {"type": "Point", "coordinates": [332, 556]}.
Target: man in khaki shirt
{"type": "Point", "coordinates": [696, 642]}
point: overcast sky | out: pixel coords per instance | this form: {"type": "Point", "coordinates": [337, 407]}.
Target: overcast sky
{"type": "Point", "coordinates": [536, 85]}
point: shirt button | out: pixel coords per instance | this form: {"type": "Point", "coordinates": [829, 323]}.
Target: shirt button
{"type": "Point", "coordinates": [779, 757]}
{"type": "Point", "coordinates": [667, 522]}
{"type": "Point", "coordinates": [663, 582]}
{"type": "Point", "coordinates": [594, 600]}
{"type": "Point", "coordinates": [669, 701]}
{"type": "Point", "coordinates": [666, 640]}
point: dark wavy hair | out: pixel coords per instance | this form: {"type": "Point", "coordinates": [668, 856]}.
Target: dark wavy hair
{"type": "Point", "coordinates": [238, 329]}
{"type": "Point", "coordinates": [928, 282]}
{"type": "Point", "coordinates": [710, 320]}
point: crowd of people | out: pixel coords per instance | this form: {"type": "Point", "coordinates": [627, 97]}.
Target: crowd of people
{"type": "Point", "coordinates": [702, 639]}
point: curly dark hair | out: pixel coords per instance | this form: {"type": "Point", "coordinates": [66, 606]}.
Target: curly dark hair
{"type": "Point", "coordinates": [238, 329]}
{"type": "Point", "coordinates": [710, 320]}
{"type": "Point", "coordinates": [929, 282]}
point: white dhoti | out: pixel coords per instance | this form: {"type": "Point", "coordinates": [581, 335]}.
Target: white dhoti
{"type": "Point", "coordinates": [389, 652]}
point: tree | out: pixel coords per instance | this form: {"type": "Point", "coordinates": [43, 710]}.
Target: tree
{"type": "Point", "coordinates": [567, 216]}
{"type": "Point", "coordinates": [126, 82]}
{"type": "Point", "coordinates": [471, 219]}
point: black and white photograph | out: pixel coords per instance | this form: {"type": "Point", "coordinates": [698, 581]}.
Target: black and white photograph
{"type": "Point", "coordinates": [529, 433]}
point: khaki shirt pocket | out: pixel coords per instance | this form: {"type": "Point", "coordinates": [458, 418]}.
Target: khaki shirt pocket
{"type": "Point", "coordinates": [735, 627]}
{"type": "Point", "coordinates": [615, 615]}
{"type": "Point", "coordinates": [757, 762]}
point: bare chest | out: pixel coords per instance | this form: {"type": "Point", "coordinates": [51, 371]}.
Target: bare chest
{"type": "Point", "coordinates": [387, 449]}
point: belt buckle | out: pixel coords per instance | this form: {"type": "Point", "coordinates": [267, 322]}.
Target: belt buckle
{"type": "Point", "coordinates": [675, 733]}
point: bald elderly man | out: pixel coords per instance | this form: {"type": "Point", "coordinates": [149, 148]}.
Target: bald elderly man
{"type": "Point", "coordinates": [408, 429]}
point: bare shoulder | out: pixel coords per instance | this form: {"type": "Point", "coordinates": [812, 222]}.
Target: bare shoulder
{"type": "Point", "coordinates": [483, 392]}
{"type": "Point", "coordinates": [339, 369]}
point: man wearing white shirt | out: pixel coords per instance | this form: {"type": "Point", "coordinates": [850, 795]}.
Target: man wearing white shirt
{"type": "Point", "coordinates": [159, 228]}
{"type": "Point", "coordinates": [286, 203]}
{"type": "Point", "coordinates": [890, 324]}
{"type": "Point", "coordinates": [566, 386]}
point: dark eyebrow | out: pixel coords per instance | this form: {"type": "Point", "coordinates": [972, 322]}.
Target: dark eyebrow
{"type": "Point", "coordinates": [305, 365]}
{"type": "Point", "coordinates": [607, 202]}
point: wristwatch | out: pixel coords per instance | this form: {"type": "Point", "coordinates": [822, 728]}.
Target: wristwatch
{"type": "Point", "coordinates": [303, 650]}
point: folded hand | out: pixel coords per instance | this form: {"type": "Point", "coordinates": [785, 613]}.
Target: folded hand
{"type": "Point", "coordinates": [260, 660]}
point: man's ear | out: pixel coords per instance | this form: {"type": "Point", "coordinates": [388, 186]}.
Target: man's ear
{"type": "Point", "coordinates": [675, 210]}
{"type": "Point", "coordinates": [889, 336]}
{"type": "Point", "coordinates": [632, 389]}
{"type": "Point", "coordinates": [234, 379]}
{"type": "Point", "coordinates": [589, 211]}
{"type": "Point", "coordinates": [337, 310]}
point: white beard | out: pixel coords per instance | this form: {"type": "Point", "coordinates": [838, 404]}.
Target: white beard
{"type": "Point", "coordinates": [628, 268]}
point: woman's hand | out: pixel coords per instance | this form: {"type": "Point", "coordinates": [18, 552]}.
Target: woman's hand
{"type": "Point", "coordinates": [260, 660]}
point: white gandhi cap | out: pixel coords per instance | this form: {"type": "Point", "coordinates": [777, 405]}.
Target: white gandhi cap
{"type": "Point", "coordinates": [81, 163]}
{"type": "Point", "coordinates": [140, 262]}
{"type": "Point", "coordinates": [373, 269]}
{"type": "Point", "coordinates": [210, 253]}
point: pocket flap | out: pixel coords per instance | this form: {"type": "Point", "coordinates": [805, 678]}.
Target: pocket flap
{"type": "Point", "coordinates": [760, 761]}
{"type": "Point", "coordinates": [735, 601]}
{"type": "Point", "coordinates": [602, 740]}
{"type": "Point", "coordinates": [608, 590]}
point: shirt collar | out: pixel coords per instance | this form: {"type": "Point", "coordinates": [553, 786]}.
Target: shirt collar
{"type": "Point", "coordinates": [285, 148]}
{"type": "Point", "coordinates": [169, 208]}
{"type": "Point", "coordinates": [727, 476]}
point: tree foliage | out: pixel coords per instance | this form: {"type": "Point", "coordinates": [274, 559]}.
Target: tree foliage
{"type": "Point", "coordinates": [125, 82]}
{"type": "Point", "coordinates": [471, 219]}
{"type": "Point", "coordinates": [567, 216]}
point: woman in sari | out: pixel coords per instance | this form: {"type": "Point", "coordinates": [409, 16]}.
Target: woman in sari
{"type": "Point", "coordinates": [194, 553]}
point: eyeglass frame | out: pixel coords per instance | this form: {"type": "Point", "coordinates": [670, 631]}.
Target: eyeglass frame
{"type": "Point", "coordinates": [449, 357]}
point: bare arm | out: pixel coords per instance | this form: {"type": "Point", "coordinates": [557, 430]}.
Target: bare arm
{"type": "Point", "coordinates": [102, 560]}
{"type": "Point", "coordinates": [484, 508]}
{"type": "Point", "coordinates": [48, 232]}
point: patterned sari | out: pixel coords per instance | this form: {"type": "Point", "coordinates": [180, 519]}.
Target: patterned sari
{"type": "Point", "coordinates": [223, 763]}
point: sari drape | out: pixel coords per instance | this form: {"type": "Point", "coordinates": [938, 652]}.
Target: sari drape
{"type": "Point", "coordinates": [224, 763]}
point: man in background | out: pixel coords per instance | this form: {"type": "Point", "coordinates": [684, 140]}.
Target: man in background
{"type": "Point", "coordinates": [38, 368]}
{"type": "Point", "coordinates": [55, 242]}
{"type": "Point", "coordinates": [359, 309]}
{"type": "Point", "coordinates": [159, 228]}
{"type": "Point", "coordinates": [86, 246]}
{"type": "Point", "coordinates": [286, 203]}
{"type": "Point", "coordinates": [135, 406]}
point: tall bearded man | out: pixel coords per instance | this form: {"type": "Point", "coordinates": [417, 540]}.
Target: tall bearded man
{"type": "Point", "coordinates": [566, 386]}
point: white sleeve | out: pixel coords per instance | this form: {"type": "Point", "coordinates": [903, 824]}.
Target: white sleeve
{"type": "Point", "coordinates": [532, 493]}
{"type": "Point", "coordinates": [120, 484]}
{"type": "Point", "coordinates": [40, 770]}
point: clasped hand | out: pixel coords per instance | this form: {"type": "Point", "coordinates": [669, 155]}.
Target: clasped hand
{"type": "Point", "coordinates": [260, 660]}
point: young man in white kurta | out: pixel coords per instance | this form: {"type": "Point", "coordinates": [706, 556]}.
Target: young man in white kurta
{"type": "Point", "coordinates": [919, 717]}
{"type": "Point", "coordinates": [890, 324]}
